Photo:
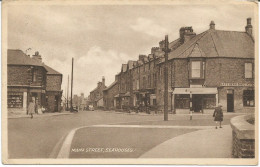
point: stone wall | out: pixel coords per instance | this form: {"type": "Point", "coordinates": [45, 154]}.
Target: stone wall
{"type": "Point", "coordinates": [243, 134]}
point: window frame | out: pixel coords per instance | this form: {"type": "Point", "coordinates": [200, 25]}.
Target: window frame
{"type": "Point", "coordinates": [245, 70]}
{"type": "Point", "coordinates": [202, 69]}
{"type": "Point", "coordinates": [248, 96]}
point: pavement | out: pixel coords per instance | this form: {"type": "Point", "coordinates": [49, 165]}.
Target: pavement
{"type": "Point", "coordinates": [13, 115]}
{"type": "Point", "coordinates": [207, 143]}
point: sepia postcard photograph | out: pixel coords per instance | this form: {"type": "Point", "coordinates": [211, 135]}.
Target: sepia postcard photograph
{"type": "Point", "coordinates": [130, 82]}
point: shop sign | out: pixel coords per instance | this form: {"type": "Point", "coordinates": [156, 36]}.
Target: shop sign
{"type": "Point", "coordinates": [236, 84]}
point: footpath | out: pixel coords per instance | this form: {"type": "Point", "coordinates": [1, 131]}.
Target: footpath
{"type": "Point", "coordinates": [207, 143]}
{"type": "Point", "coordinates": [14, 115]}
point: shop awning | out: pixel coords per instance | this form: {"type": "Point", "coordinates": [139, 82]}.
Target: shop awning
{"type": "Point", "coordinates": [195, 91]}
{"type": "Point", "coordinates": [116, 95]}
{"type": "Point", "coordinates": [126, 94]}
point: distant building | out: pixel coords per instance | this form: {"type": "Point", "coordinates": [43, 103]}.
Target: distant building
{"type": "Point", "coordinates": [96, 95]}
{"type": "Point", "coordinates": [109, 96]}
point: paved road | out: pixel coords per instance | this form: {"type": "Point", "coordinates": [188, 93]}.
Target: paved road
{"type": "Point", "coordinates": [43, 137]}
{"type": "Point", "coordinates": [38, 137]}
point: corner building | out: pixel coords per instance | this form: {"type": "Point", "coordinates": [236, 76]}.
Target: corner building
{"type": "Point", "coordinates": [213, 67]}
{"type": "Point", "coordinates": [204, 69]}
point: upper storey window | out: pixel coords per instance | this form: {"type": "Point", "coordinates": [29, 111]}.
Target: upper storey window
{"type": "Point", "coordinates": [197, 69]}
{"type": "Point", "coordinates": [248, 70]}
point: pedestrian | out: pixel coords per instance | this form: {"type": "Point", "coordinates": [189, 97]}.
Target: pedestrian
{"type": "Point", "coordinates": [218, 115]}
{"type": "Point", "coordinates": [31, 108]}
{"type": "Point", "coordinates": [36, 106]}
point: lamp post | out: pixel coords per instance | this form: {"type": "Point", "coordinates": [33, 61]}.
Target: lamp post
{"type": "Point", "coordinates": [166, 51]}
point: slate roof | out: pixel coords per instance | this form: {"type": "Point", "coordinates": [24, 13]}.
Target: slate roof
{"type": "Point", "coordinates": [111, 85]}
{"type": "Point", "coordinates": [51, 71]}
{"type": "Point", "coordinates": [216, 43]}
{"type": "Point", "coordinates": [18, 57]}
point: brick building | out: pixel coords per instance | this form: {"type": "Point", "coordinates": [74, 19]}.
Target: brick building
{"type": "Point", "coordinates": [29, 78]}
{"type": "Point", "coordinates": [203, 70]}
{"type": "Point", "coordinates": [211, 67]}
{"type": "Point", "coordinates": [26, 80]}
{"type": "Point", "coordinates": [53, 90]}
{"type": "Point", "coordinates": [110, 96]}
{"type": "Point", "coordinates": [96, 95]}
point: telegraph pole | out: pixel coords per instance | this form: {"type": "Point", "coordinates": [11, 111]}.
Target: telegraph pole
{"type": "Point", "coordinates": [71, 107]}
{"type": "Point", "coordinates": [68, 93]}
{"type": "Point", "coordinates": [166, 51]}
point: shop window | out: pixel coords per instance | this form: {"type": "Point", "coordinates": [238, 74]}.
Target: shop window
{"type": "Point", "coordinates": [182, 101]}
{"type": "Point", "coordinates": [248, 70]}
{"type": "Point", "coordinates": [15, 100]}
{"type": "Point", "coordinates": [209, 101]}
{"type": "Point", "coordinates": [248, 98]}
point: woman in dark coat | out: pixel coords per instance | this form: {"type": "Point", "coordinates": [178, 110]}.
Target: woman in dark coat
{"type": "Point", "coordinates": [218, 114]}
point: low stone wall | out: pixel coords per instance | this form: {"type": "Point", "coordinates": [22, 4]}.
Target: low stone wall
{"type": "Point", "coordinates": [243, 133]}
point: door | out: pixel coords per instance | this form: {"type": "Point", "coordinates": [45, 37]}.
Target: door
{"type": "Point", "coordinates": [230, 101]}
{"type": "Point", "coordinates": [56, 103]}
{"type": "Point", "coordinates": [197, 102]}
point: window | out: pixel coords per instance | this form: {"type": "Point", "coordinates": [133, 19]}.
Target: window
{"type": "Point", "coordinates": [209, 101]}
{"type": "Point", "coordinates": [195, 69]}
{"type": "Point", "coordinates": [182, 101]}
{"type": "Point", "coordinates": [248, 98]}
{"type": "Point", "coordinates": [34, 75]}
{"type": "Point", "coordinates": [248, 70]}
{"type": "Point", "coordinates": [15, 99]}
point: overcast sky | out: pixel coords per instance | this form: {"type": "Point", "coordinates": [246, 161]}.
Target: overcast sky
{"type": "Point", "coordinates": [101, 38]}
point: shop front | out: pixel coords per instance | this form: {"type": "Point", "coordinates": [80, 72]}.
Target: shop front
{"type": "Point", "coordinates": [198, 100]}
{"type": "Point", "coordinates": [18, 98]}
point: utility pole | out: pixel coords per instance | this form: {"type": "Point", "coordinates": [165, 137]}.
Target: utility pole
{"type": "Point", "coordinates": [68, 93]}
{"type": "Point", "coordinates": [166, 51]}
{"type": "Point", "coordinates": [71, 89]}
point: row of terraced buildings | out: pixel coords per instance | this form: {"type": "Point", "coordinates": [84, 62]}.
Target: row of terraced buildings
{"type": "Point", "coordinates": [204, 69]}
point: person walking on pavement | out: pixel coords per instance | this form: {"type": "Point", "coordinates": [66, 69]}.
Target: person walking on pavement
{"type": "Point", "coordinates": [36, 106]}
{"type": "Point", "coordinates": [218, 115]}
{"type": "Point", "coordinates": [31, 108]}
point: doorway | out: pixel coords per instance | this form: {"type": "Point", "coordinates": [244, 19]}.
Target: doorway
{"type": "Point", "coordinates": [230, 101]}
{"type": "Point", "coordinates": [197, 102]}
{"type": "Point", "coordinates": [56, 103]}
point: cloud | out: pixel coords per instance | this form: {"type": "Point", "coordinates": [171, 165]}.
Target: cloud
{"type": "Point", "coordinates": [148, 27]}
{"type": "Point", "coordinates": [90, 68]}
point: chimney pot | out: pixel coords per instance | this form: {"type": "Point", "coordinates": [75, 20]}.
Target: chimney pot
{"type": "Point", "coordinates": [249, 27]}
{"type": "Point", "coordinates": [212, 25]}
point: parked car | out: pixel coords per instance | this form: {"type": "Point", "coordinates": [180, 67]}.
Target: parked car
{"type": "Point", "coordinates": [91, 107]}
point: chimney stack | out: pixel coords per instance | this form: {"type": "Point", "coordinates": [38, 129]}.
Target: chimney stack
{"type": "Point", "coordinates": [37, 56]}
{"type": "Point", "coordinates": [103, 81]}
{"type": "Point", "coordinates": [186, 33]}
{"type": "Point", "coordinates": [161, 44]}
{"type": "Point", "coordinates": [212, 25]}
{"type": "Point", "coordinates": [249, 27]}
